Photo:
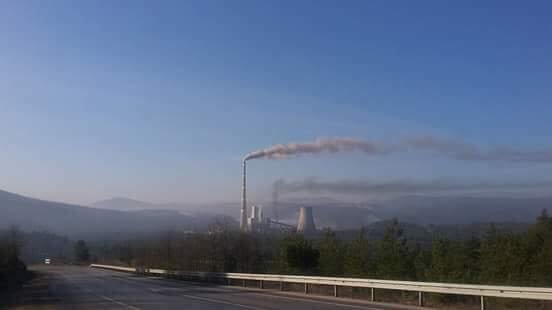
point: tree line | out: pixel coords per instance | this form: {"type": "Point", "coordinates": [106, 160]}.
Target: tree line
{"type": "Point", "coordinates": [13, 272]}
{"type": "Point", "coordinates": [498, 257]}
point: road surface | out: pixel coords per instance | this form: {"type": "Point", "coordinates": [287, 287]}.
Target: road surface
{"type": "Point", "coordinates": [71, 287]}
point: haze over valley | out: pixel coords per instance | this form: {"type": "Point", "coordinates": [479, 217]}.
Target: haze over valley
{"type": "Point", "coordinates": [126, 216]}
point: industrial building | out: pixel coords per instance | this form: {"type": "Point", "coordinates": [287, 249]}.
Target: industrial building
{"type": "Point", "coordinates": [257, 223]}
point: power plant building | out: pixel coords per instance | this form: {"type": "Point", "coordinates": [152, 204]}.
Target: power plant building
{"type": "Point", "coordinates": [257, 223]}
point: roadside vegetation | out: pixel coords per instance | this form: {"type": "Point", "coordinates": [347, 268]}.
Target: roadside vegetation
{"type": "Point", "coordinates": [497, 257]}
{"type": "Point", "coordinates": [81, 252]}
{"type": "Point", "coordinates": [13, 272]}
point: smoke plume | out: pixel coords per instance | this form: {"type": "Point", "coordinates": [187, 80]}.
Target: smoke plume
{"type": "Point", "coordinates": [399, 187]}
{"type": "Point", "coordinates": [454, 149]}
{"type": "Point", "coordinates": [461, 150]}
{"type": "Point", "coordinates": [327, 145]}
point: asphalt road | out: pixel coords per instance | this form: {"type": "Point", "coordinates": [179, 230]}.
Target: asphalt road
{"type": "Point", "coordinates": [71, 287]}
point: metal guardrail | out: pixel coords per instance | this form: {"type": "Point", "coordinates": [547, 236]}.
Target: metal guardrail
{"type": "Point", "coordinates": [116, 268]}
{"type": "Point", "coordinates": [533, 293]}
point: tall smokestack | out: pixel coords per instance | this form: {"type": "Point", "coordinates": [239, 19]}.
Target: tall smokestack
{"type": "Point", "coordinates": [243, 214]}
{"type": "Point", "coordinates": [305, 224]}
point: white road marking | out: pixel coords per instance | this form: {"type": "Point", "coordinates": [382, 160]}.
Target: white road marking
{"type": "Point", "coordinates": [212, 300]}
{"type": "Point", "coordinates": [222, 302]}
{"type": "Point", "coordinates": [250, 290]}
{"type": "Point", "coordinates": [307, 299]}
{"type": "Point", "coordinates": [118, 302]}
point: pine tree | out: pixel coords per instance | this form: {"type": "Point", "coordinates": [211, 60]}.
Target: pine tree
{"type": "Point", "coordinates": [300, 256]}
{"type": "Point", "coordinates": [539, 251]}
{"type": "Point", "coordinates": [331, 255]}
{"type": "Point", "coordinates": [82, 253]}
{"type": "Point", "coordinates": [503, 258]}
{"type": "Point", "coordinates": [357, 260]}
{"type": "Point", "coordinates": [393, 259]}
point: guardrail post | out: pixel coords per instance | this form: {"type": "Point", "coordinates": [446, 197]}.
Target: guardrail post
{"type": "Point", "coordinates": [421, 299]}
{"type": "Point", "coordinates": [335, 291]}
{"type": "Point", "coordinates": [281, 286]}
{"type": "Point", "coordinates": [372, 294]}
{"type": "Point", "coordinates": [244, 283]}
{"type": "Point", "coordinates": [261, 284]}
{"type": "Point", "coordinates": [482, 303]}
{"type": "Point", "coordinates": [306, 288]}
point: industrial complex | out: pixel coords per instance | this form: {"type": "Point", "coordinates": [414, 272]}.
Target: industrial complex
{"type": "Point", "coordinates": [256, 222]}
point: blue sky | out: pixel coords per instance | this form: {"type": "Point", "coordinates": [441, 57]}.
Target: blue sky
{"type": "Point", "coordinates": [159, 100]}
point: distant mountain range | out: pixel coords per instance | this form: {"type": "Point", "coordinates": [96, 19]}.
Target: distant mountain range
{"type": "Point", "coordinates": [421, 210]}
{"type": "Point", "coordinates": [329, 212]}
{"type": "Point", "coordinates": [128, 204]}
{"type": "Point", "coordinates": [416, 209]}
{"type": "Point", "coordinates": [123, 216]}
{"type": "Point", "coordinates": [426, 210]}
{"type": "Point", "coordinates": [123, 204]}
{"type": "Point", "coordinates": [31, 214]}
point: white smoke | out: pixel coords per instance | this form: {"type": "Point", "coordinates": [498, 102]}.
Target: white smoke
{"type": "Point", "coordinates": [455, 149]}
{"type": "Point", "coordinates": [322, 145]}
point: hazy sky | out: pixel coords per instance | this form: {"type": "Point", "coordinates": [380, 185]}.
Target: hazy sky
{"type": "Point", "coordinates": [159, 100]}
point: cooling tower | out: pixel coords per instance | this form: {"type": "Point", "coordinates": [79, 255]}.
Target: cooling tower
{"type": "Point", "coordinates": [305, 224]}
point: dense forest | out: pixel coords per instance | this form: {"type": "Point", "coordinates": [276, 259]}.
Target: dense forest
{"type": "Point", "coordinates": [499, 256]}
